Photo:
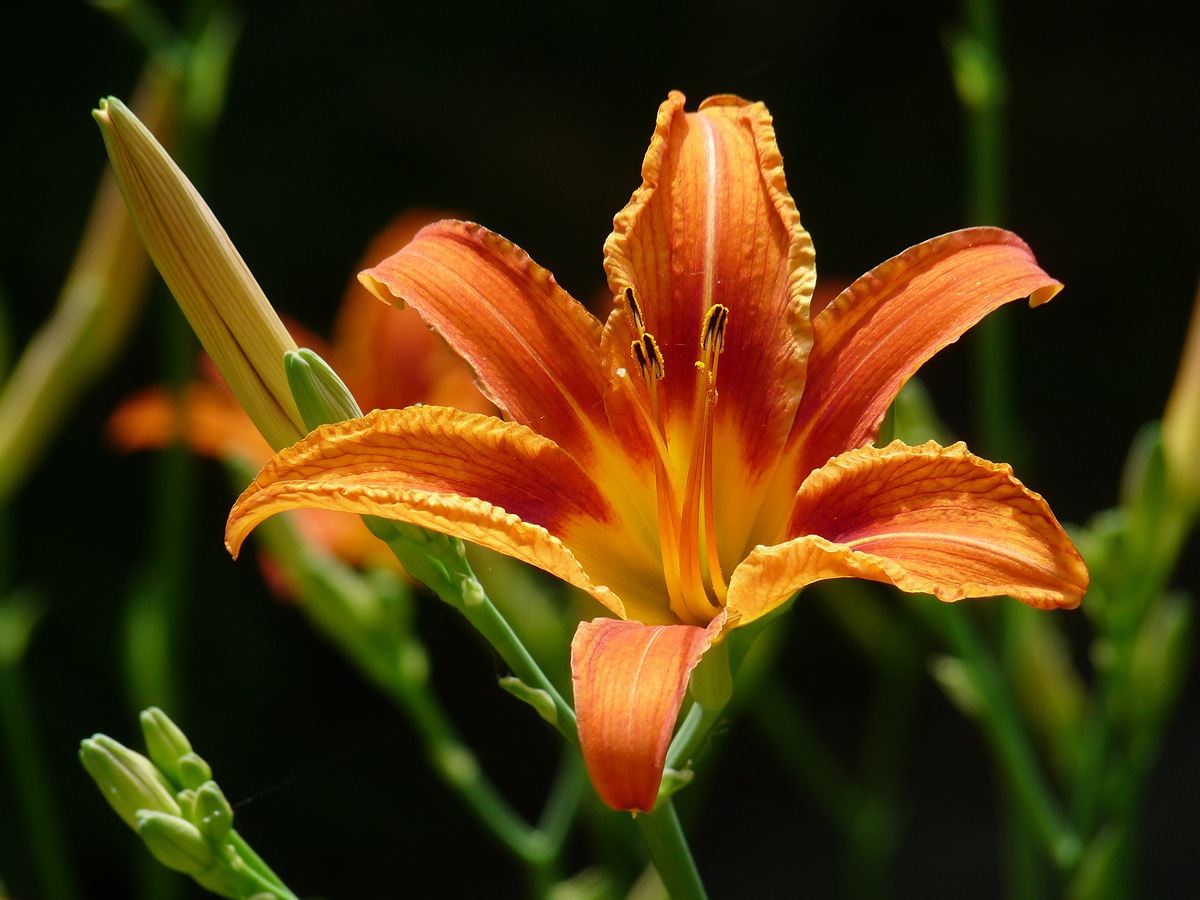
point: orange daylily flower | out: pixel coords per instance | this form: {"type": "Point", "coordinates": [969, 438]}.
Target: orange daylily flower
{"type": "Point", "coordinates": [706, 452]}
{"type": "Point", "coordinates": [387, 360]}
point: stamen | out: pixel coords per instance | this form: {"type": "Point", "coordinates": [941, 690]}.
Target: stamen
{"type": "Point", "coordinates": [694, 593]}
{"type": "Point", "coordinates": [695, 583]}
{"type": "Point", "coordinates": [710, 527]}
{"type": "Point", "coordinates": [712, 343]}
{"type": "Point", "coordinates": [712, 340]}
{"type": "Point", "coordinates": [697, 503]}
{"type": "Point", "coordinates": [639, 356]}
{"type": "Point", "coordinates": [655, 355]}
{"type": "Point", "coordinates": [636, 309]}
{"type": "Point", "coordinates": [647, 416]}
{"type": "Point", "coordinates": [650, 362]}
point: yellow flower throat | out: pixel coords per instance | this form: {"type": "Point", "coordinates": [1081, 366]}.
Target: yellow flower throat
{"type": "Point", "coordinates": [695, 585]}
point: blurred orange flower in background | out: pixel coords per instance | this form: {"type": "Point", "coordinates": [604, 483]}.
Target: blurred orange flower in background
{"type": "Point", "coordinates": [387, 358]}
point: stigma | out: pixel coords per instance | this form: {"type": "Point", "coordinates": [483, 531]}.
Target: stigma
{"type": "Point", "coordinates": [695, 584]}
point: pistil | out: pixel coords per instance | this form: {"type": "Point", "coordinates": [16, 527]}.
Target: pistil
{"type": "Point", "coordinates": [712, 345]}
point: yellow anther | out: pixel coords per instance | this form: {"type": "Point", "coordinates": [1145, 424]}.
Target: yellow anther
{"type": "Point", "coordinates": [636, 309]}
{"type": "Point", "coordinates": [712, 334]}
{"type": "Point", "coordinates": [639, 356]}
{"type": "Point", "coordinates": [654, 356]}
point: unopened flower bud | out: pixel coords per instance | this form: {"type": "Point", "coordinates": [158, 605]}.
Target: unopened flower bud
{"type": "Point", "coordinates": [212, 813]}
{"type": "Point", "coordinates": [1181, 420]}
{"type": "Point", "coordinates": [711, 684]}
{"type": "Point", "coordinates": [955, 679]}
{"type": "Point", "coordinates": [210, 281]}
{"type": "Point", "coordinates": [320, 395]}
{"type": "Point", "coordinates": [176, 843]}
{"type": "Point", "coordinates": [193, 770]}
{"type": "Point", "coordinates": [541, 701]}
{"type": "Point", "coordinates": [187, 804]}
{"type": "Point", "coordinates": [165, 743]}
{"type": "Point", "coordinates": [129, 781]}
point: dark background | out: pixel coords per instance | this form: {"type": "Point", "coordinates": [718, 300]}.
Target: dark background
{"type": "Point", "coordinates": [533, 119]}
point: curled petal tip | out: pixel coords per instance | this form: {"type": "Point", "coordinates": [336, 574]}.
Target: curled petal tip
{"type": "Point", "coordinates": [1045, 294]}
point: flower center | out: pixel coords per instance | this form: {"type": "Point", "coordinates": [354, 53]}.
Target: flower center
{"type": "Point", "coordinates": [695, 584]}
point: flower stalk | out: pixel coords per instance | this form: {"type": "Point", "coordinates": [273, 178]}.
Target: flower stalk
{"type": "Point", "coordinates": [670, 853]}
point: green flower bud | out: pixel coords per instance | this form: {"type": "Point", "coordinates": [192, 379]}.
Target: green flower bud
{"type": "Point", "coordinates": [176, 843]}
{"type": "Point", "coordinates": [129, 781]}
{"type": "Point", "coordinates": [457, 764]}
{"type": "Point", "coordinates": [1181, 420]}
{"type": "Point", "coordinates": [193, 770]}
{"type": "Point", "coordinates": [673, 780]}
{"type": "Point", "coordinates": [955, 679]}
{"type": "Point", "coordinates": [187, 804]}
{"type": "Point", "coordinates": [414, 665]}
{"type": "Point", "coordinates": [165, 743]}
{"type": "Point", "coordinates": [320, 395]}
{"type": "Point", "coordinates": [541, 701]}
{"type": "Point", "coordinates": [711, 684]}
{"type": "Point", "coordinates": [212, 813]}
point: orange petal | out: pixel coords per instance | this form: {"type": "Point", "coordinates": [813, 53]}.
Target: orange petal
{"type": "Point", "coordinates": [493, 483]}
{"type": "Point", "coordinates": [713, 223]}
{"type": "Point", "coordinates": [387, 357]}
{"type": "Point", "coordinates": [877, 333]}
{"type": "Point", "coordinates": [534, 349]}
{"type": "Point", "coordinates": [629, 681]}
{"type": "Point", "coordinates": [926, 519]}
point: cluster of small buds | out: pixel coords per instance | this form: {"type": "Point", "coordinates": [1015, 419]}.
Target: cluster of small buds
{"type": "Point", "coordinates": [171, 801]}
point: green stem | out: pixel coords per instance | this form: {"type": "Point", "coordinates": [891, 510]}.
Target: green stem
{"type": "Point", "coordinates": [488, 621]}
{"type": "Point", "coordinates": [686, 744]}
{"type": "Point", "coordinates": [670, 853]}
{"type": "Point", "coordinates": [254, 865]}
{"type": "Point", "coordinates": [1005, 731]}
{"type": "Point", "coordinates": [442, 566]}
{"type": "Point", "coordinates": [562, 804]}
{"type": "Point", "coordinates": [1025, 875]}
{"type": "Point", "coordinates": [460, 769]}
{"type": "Point", "coordinates": [567, 792]}
{"type": "Point", "coordinates": [32, 780]}
{"type": "Point", "coordinates": [814, 768]}
{"type": "Point", "coordinates": [976, 59]}
{"type": "Point", "coordinates": [887, 740]}
{"type": "Point", "coordinates": [985, 108]}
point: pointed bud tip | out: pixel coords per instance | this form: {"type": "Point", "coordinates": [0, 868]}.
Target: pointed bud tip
{"type": "Point", "coordinates": [319, 393]}
{"type": "Point", "coordinates": [103, 113]}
